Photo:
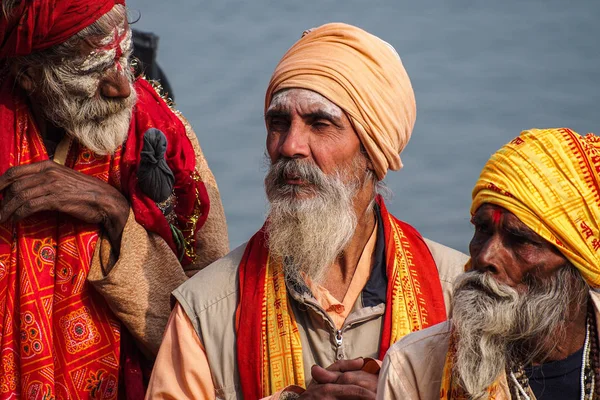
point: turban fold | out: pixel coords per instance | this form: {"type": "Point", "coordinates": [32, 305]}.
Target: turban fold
{"type": "Point", "coordinates": [35, 25]}
{"type": "Point", "coordinates": [550, 180]}
{"type": "Point", "coordinates": [361, 74]}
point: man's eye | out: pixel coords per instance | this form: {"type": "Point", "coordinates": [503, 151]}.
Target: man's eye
{"type": "Point", "coordinates": [320, 125]}
{"type": "Point", "coordinates": [520, 240]}
{"type": "Point", "coordinates": [278, 123]}
{"type": "Point", "coordinates": [481, 228]}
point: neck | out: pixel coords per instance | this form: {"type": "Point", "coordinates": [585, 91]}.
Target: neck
{"type": "Point", "coordinates": [342, 271]}
{"type": "Point", "coordinates": [47, 129]}
{"type": "Point", "coordinates": [576, 329]}
{"type": "Point", "coordinates": [51, 134]}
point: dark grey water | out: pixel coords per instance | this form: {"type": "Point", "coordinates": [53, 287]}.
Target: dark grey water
{"type": "Point", "coordinates": [482, 72]}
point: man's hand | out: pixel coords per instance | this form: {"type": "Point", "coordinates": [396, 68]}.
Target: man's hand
{"type": "Point", "coordinates": [341, 380]}
{"type": "Point", "coordinates": [48, 186]}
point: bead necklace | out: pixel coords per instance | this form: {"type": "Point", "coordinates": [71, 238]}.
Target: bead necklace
{"type": "Point", "coordinates": [520, 382]}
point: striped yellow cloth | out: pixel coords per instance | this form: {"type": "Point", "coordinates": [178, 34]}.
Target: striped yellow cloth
{"type": "Point", "coordinates": [549, 178]}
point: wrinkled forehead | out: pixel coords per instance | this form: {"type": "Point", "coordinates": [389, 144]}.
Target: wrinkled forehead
{"type": "Point", "coordinates": [304, 99]}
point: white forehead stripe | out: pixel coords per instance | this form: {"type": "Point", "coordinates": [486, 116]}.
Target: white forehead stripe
{"type": "Point", "coordinates": [287, 97]}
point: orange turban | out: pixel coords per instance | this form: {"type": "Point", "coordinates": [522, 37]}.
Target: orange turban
{"type": "Point", "coordinates": [361, 74]}
{"type": "Point", "coordinates": [550, 180]}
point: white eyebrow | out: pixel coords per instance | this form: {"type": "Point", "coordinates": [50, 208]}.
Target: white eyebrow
{"type": "Point", "coordinates": [283, 100]}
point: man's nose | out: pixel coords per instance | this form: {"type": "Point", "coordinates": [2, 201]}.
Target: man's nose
{"type": "Point", "coordinates": [294, 143]}
{"type": "Point", "coordinates": [115, 85]}
{"type": "Point", "coordinates": [488, 257]}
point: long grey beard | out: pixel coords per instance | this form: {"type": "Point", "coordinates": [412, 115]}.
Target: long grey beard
{"type": "Point", "coordinates": [496, 327]}
{"type": "Point", "coordinates": [99, 124]}
{"type": "Point", "coordinates": [309, 234]}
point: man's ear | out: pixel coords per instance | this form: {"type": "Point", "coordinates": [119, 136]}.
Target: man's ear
{"type": "Point", "coordinates": [26, 78]}
{"type": "Point", "coordinates": [367, 158]}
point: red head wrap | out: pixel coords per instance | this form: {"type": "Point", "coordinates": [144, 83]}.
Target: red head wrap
{"type": "Point", "coordinates": [36, 25]}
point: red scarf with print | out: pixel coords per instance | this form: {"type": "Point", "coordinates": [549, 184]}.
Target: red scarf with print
{"type": "Point", "coordinates": [58, 337]}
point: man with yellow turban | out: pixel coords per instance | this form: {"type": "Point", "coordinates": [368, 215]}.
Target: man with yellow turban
{"type": "Point", "coordinates": [525, 314]}
{"type": "Point", "coordinates": [332, 279]}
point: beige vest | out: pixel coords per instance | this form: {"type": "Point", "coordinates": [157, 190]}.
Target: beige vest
{"type": "Point", "coordinates": [210, 300]}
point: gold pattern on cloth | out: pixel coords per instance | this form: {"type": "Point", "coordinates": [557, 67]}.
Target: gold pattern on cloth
{"type": "Point", "coordinates": [189, 242]}
{"type": "Point", "coordinates": [280, 335]}
{"type": "Point", "coordinates": [408, 312]}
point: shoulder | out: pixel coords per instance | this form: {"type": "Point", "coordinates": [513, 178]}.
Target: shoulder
{"type": "Point", "coordinates": [450, 262]}
{"type": "Point", "coordinates": [432, 337]}
{"type": "Point", "coordinates": [214, 284]}
{"type": "Point", "coordinates": [405, 375]}
{"type": "Point", "coordinates": [430, 344]}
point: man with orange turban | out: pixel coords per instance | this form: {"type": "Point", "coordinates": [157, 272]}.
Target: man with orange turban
{"type": "Point", "coordinates": [103, 194]}
{"type": "Point", "coordinates": [332, 279]}
{"type": "Point", "coordinates": [525, 314]}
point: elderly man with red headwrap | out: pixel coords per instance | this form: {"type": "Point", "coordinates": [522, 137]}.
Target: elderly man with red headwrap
{"type": "Point", "coordinates": [105, 198]}
{"type": "Point", "coordinates": [525, 314]}
{"type": "Point", "coordinates": [332, 279]}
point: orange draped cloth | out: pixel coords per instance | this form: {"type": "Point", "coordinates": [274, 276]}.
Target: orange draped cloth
{"type": "Point", "coordinates": [361, 74]}
{"type": "Point", "coordinates": [269, 351]}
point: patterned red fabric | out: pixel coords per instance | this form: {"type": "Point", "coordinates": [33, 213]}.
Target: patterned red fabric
{"type": "Point", "coordinates": [432, 308]}
{"type": "Point", "coordinates": [250, 313]}
{"type": "Point", "coordinates": [58, 338]}
{"type": "Point", "coordinates": [36, 25]}
{"type": "Point", "coordinates": [193, 204]}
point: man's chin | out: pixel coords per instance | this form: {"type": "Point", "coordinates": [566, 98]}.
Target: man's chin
{"type": "Point", "coordinates": [104, 139]}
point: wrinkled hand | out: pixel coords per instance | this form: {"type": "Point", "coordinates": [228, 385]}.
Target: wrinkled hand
{"type": "Point", "coordinates": [48, 186]}
{"type": "Point", "coordinates": [341, 380]}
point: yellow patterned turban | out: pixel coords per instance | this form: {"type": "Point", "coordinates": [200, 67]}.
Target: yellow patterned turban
{"type": "Point", "coordinates": [364, 76]}
{"type": "Point", "coordinates": [550, 180]}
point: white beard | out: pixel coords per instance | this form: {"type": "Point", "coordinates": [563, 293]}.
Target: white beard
{"type": "Point", "coordinates": [309, 234]}
{"type": "Point", "coordinates": [70, 102]}
{"type": "Point", "coordinates": [497, 327]}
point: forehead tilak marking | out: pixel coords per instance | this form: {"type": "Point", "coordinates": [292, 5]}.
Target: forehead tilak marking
{"type": "Point", "coordinates": [286, 99]}
{"type": "Point", "coordinates": [496, 216]}
{"type": "Point", "coordinates": [112, 48]}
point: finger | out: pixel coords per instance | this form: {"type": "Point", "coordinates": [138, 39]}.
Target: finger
{"type": "Point", "coordinates": [346, 392]}
{"type": "Point", "coordinates": [14, 173]}
{"type": "Point", "coordinates": [347, 365]}
{"type": "Point", "coordinates": [19, 186]}
{"type": "Point", "coordinates": [359, 378]}
{"type": "Point", "coordinates": [30, 207]}
{"type": "Point", "coordinates": [321, 375]}
{"type": "Point", "coordinates": [38, 194]}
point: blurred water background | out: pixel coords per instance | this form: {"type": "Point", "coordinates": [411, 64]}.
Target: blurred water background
{"type": "Point", "coordinates": [482, 72]}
